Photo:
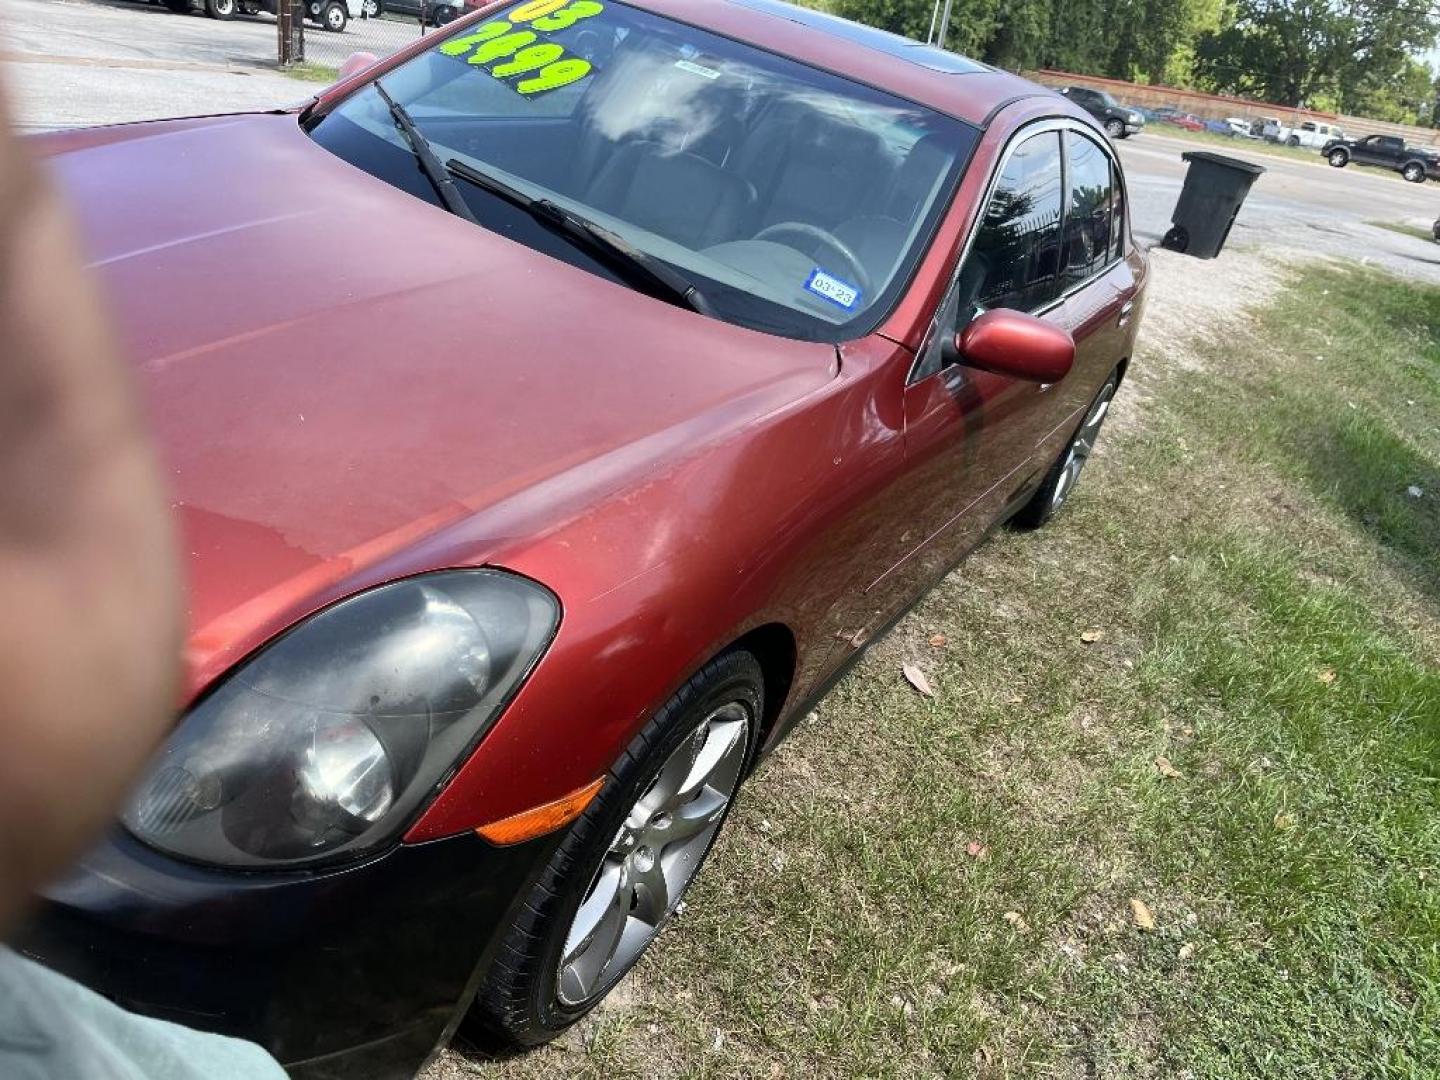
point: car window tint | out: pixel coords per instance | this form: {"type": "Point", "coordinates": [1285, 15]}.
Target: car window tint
{"type": "Point", "coordinates": [1014, 260]}
{"type": "Point", "coordinates": [1087, 217]}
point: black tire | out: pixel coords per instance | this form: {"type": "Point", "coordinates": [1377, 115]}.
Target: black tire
{"type": "Point", "coordinates": [1294, 140]}
{"type": "Point", "coordinates": [333, 17]}
{"type": "Point", "coordinates": [373, 9]}
{"type": "Point", "coordinates": [1414, 171]}
{"type": "Point", "coordinates": [1115, 128]}
{"type": "Point", "coordinates": [1050, 497]}
{"type": "Point", "coordinates": [444, 15]}
{"type": "Point", "coordinates": [519, 1004]}
{"type": "Point", "coordinates": [1338, 158]}
{"type": "Point", "coordinates": [224, 10]}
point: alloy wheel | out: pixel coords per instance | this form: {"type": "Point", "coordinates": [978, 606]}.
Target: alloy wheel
{"type": "Point", "coordinates": [654, 856]}
{"type": "Point", "coordinates": [1081, 447]}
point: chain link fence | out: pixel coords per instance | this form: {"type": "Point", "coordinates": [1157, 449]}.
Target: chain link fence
{"type": "Point", "coordinates": [324, 33]}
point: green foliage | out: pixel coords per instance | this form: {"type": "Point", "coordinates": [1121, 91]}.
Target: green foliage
{"type": "Point", "coordinates": [1354, 56]}
{"type": "Point", "coordinates": [1296, 51]}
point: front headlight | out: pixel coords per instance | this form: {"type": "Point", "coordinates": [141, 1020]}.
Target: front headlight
{"type": "Point", "coordinates": [325, 744]}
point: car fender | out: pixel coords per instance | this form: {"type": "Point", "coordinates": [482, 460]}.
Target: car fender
{"type": "Point", "coordinates": [763, 527]}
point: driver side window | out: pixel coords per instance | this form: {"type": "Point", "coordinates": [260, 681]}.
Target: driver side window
{"type": "Point", "coordinates": [1014, 259]}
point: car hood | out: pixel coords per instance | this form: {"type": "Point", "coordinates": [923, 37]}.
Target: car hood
{"type": "Point", "coordinates": [337, 371]}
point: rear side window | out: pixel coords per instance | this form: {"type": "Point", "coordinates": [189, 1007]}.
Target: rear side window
{"type": "Point", "coordinates": [1089, 214]}
{"type": "Point", "coordinates": [1015, 259]}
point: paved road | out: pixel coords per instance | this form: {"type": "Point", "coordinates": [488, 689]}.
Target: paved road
{"type": "Point", "coordinates": [1296, 205]}
{"type": "Point", "coordinates": [98, 61]}
{"type": "Point", "coordinates": [74, 62]}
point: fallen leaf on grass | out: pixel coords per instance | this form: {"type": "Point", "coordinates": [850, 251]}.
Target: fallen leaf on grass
{"type": "Point", "coordinates": [1091, 636]}
{"type": "Point", "coordinates": [977, 850]}
{"type": "Point", "coordinates": [1284, 821]}
{"type": "Point", "coordinates": [916, 678]}
{"type": "Point", "coordinates": [937, 641]}
{"type": "Point", "coordinates": [1162, 763]}
{"type": "Point", "coordinates": [1016, 699]}
{"type": "Point", "coordinates": [1143, 916]}
{"type": "Point", "coordinates": [1015, 919]}
{"type": "Point", "coordinates": [1327, 676]}
{"type": "Point", "coordinates": [1186, 951]}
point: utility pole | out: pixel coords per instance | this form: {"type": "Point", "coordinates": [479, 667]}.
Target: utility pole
{"type": "Point", "coordinates": [945, 23]}
{"type": "Point", "coordinates": [291, 33]}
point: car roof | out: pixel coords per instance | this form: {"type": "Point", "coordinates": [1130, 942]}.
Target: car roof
{"type": "Point", "coordinates": [945, 81]}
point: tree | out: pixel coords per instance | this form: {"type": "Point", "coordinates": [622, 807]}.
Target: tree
{"type": "Point", "coordinates": [1292, 51]}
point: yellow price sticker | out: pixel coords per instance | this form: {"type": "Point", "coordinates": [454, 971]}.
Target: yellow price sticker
{"type": "Point", "coordinates": [516, 37]}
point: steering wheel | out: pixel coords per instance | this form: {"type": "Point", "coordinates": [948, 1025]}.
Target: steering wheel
{"type": "Point", "coordinates": [824, 237]}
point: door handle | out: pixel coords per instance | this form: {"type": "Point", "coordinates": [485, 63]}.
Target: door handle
{"type": "Point", "coordinates": [1125, 310]}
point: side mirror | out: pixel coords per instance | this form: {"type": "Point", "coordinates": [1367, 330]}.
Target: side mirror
{"type": "Point", "coordinates": [357, 63]}
{"type": "Point", "coordinates": [1014, 344]}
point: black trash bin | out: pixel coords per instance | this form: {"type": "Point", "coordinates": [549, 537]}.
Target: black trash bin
{"type": "Point", "coordinates": [1215, 188]}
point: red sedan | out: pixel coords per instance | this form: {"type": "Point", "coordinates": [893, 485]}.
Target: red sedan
{"type": "Point", "coordinates": [554, 411]}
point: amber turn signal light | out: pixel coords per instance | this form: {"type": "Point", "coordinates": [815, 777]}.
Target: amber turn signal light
{"type": "Point", "coordinates": [540, 820]}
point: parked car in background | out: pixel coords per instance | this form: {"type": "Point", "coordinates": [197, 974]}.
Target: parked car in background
{"type": "Point", "coordinates": [1313, 134]}
{"type": "Point", "coordinates": [1414, 163]}
{"type": "Point", "coordinates": [1119, 121]}
{"type": "Point", "coordinates": [1435, 229]}
{"type": "Point", "coordinates": [333, 15]}
{"type": "Point", "coordinates": [1275, 130]}
{"type": "Point", "coordinates": [1239, 127]}
{"type": "Point", "coordinates": [614, 440]}
{"type": "Point", "coordinates": [435, 12]}
{"type": "Point", "coordinates": [1184, 120]}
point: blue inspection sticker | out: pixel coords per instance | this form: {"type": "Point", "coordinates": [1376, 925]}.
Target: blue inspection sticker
{"type": "Point", "coordinates": [833, 289]}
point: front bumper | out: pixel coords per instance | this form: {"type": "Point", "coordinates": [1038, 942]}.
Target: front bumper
{"type": "Point", "coordinates": [1134, 127]}
{"type": "Point", "coordinates": [356, 972]}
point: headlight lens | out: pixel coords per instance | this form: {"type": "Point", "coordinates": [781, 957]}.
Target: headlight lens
{"type": "Point", "coordinates": [326, 742]}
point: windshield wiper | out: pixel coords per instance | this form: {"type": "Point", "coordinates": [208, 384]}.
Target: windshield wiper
{"type": "Point", "coordinates": [659, 277]}
{"type": "Point", "coordinates": [429, 164]}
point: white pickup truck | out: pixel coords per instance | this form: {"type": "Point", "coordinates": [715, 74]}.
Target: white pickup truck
{"type": "Point", "coordinates": [1309, 133]}
{"type": "Point", "coordinates": [329, 14]}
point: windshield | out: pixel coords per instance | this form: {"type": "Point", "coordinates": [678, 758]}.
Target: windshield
{"type": "Point", "coordinates": [796, 201]}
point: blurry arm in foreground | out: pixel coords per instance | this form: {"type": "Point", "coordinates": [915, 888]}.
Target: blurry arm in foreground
{"type": "Point", "coordinates": [89, 587]}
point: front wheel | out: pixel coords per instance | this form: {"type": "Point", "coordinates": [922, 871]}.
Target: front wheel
{"type": "Point", "coordinates": [443, 15]}
{"type": "Point", "coordinates": [1294, 140]}
{"type": "Point", "coordinates": [1414, 172]}
{"type": "Point", "coordinates": [1115, 129]}
{"type": "Point", "coordinates": [373, 9]}
{"type": "Point", "coordinates": [220, 9]}
{"type": "Point", "coordinates": [1338, 158]}
{"type": "Point", "coordinates": [334, 17]}
{"type": "Point", "coordinates": [618, 876]}
{"type": "Point", "coordinates": [1060, 481]}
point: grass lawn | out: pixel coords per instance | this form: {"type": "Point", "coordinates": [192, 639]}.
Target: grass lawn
{"type": "Point", "coordinates": [311, 72]}
{"type": "Point", "coordinates": [1175, 807]}
{"type": "Point", "coordinates": [1404, 230]}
